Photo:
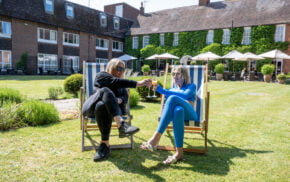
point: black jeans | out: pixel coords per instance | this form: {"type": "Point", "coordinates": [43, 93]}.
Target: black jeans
{"type": "Point", "coordinates": [106, 108]}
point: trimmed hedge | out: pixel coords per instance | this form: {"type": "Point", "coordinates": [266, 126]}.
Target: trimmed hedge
{"type": "Point", "coordinates": [73, 83]}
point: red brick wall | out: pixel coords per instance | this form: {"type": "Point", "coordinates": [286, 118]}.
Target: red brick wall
{"type": "Point", "coordinates": [286, 62]}
{"type": "Point", "coordinates": [24, 39]}
{"type": "Point", "coordinates": [129, 12]}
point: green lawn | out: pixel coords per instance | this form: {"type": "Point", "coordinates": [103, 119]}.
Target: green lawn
{"type": "Point", "coordinates": [248, 141]}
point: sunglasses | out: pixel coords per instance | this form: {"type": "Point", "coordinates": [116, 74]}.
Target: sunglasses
{"type": "Point", "coordinates": [177, 74]}
{"type": "Point", "coordinates": [121, 69]}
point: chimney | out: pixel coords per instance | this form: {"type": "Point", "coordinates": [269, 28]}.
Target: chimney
{"type": "Point", "coordinates": [142, 11]}
{"type": "Point", "coordinates": [203, 2]}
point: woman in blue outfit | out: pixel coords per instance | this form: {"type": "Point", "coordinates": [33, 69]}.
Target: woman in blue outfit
{"type": "Point", "coordinates": [178, 108]}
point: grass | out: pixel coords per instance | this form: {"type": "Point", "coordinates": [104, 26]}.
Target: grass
{"type": "Point", "coordinates": [248, 141]}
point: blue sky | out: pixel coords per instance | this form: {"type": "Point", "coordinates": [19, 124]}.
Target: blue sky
{"type": "Point", "coordinates": [150, 5]}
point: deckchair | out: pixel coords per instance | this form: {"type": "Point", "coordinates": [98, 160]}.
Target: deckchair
{"type": "Point", "coordinates": [199, 78]}
{"type": "Point", "coordinates": [89, 124]}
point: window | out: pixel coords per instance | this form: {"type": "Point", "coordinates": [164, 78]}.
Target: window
{"type": "Point", "coordinates": [161, 39]}
{"type": "Point", "coordinates": [145, 41]}
{"type": "Point", "coordinates": [103, 19]}
{"type": "Point", "coordinates": [5, 59]}
{"type": "Point", "coordinates": [70, 64]}
{"type": "Point", "coordinates": [102, 44]}
{"type": "Point", "coordinates": [117, 46]}
{"type": "Point", "coordinates": [5, 29]}
{"type": "Point", "coordinates": [102, 60]}
{"type": "Point", "coordinates": [69, 11]}
{"type": "Point", "coordinates": [135, 43]}
{"type": "Point", "coordinates": [226, 36]}
{"type": "Point", "coordinates": [209, 37]}
{"type": "Point", "coordinates": [70, 39]}
{"type": "Point", "coordinates": [116, 22]}
{"type": "Point", "coordinates": [246, 36]}
{"type": "Point", "coordinates": [119, 10]}
{"type": "Point", "coordinates": [280, 33]}
{"type": "Point", "coordinates": [48, 6]}
{"type": "Point", "coordinates": [175, 39]}
{"type": "Point", "coordinates": [47, 62]}
{"type": "Point", "coordinates": [46, 35]}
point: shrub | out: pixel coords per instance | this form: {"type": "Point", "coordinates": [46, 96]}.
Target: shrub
{"type": "Point", "coordinates": [192, 62]}
{"type": "Point", "coordinates": [282, 76]}
{"type": "Point", "coordinates": [8, 95]}
{"type": "Point", "coordinates": [21, 64]}
{"type": "Point", "coordinates": [145, 68]}
{"type": "Point", "coordinates": [73, 83]}
{"type": "Point", "coordinates": [54, 92]}
{"type": "Point", "coordinates": [267, 69]}
{"type": "Point", "coordinates": [9, 118]}
{"type": "Point", "coordinates": [176, 63]}
{"type": "Point", "coordinates": [219, 68]}
{"type": "Point", "coordinates": [36, 113]}
{"type": "Point", "coordinates": [134, 98]}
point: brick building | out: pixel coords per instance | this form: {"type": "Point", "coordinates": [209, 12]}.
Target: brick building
{"type": "Point", "coordinates": [58, 35]}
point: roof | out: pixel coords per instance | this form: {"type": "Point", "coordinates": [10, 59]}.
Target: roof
{"type": "Point", "coordinates": [85, 19]}
{"type": "Point", "coordinates": [216, 15]}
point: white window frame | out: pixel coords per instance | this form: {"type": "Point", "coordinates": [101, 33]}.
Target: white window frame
{"type": "Point", "coordinates": [7, 63]}
{"type": "Point", "coordinates": [175, 39]}
{"type": "Point", "coordinates": [209, 37]}
{"type": "Point", "coordinates": [119, 10]}
{"type": "Point", "coordinates": [75, 42]}
{"type": "Point", "coordinates": [103, 19]}
{"type": "Point", "coordinates": [161, 39]}
{"type": "Point", "coordinates": [280, 33]}
{"type": "Point", "coordinates": [120, 46]}
{"type": "Point", "coordinates": [116, 22]}
{"type": "Point", "coordinates": [246, 36]}
{"type": "Point", "coordinates": [100, 42]}
{"type": "Point", "coordinates": [146, 40]}
{"type": "Point", "coordinates": [226, 36]}
{"type": "Point", "coordinates": [52, 36]}
{"type": "Point", "coordinates": [75, 61]}
{"type": "Point", "coordinates": [135, 42]}
{"type": "Point", "coordinates": [69, 10]}
{"type": "Point", "coordinates": [5, 30]}
{"type": "Point", "coordinates": [49, 6]}
{"type": "Point", "coordinates": [49, 62]}
{"type": "Point", "coordinates": [102, 60]}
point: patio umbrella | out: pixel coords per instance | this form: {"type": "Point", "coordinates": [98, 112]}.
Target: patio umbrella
{"type": "Point", "coordinates": [208, 56]}
{"type": "Point", "coordinates": [185, 59]}
{"type": "Point", "coordinates": [154, 56]}
{"type": "Point", "coordinates": [166, 56]}
{"type": "Point", "coordinates": [127, 58]}
{"type": "Point", "coordinates": [275, 54]}
{"type": "Point", "coordinates": [249, 57]}
{"type": "Point", "coordinates": [234, 54]}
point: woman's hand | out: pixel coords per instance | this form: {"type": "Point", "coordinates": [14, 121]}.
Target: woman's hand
{"type": "Point", "coordinates": [145, 82]}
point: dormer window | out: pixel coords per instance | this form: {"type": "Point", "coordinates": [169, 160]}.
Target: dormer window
{"type": "Point", "coordinates": [103, 19]}
{"type": "Point", "coordinates": [49, 6]}
{"type": "Point", "coordinates": [69, 11]}
{"type": "Point", "coordinates": [116, 22]}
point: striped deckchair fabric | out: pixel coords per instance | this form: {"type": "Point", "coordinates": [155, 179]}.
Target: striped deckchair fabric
{"type": "Point", "coordinates": [196, 73]}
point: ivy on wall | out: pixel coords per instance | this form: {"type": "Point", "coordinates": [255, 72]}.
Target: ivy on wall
{"type": "Point", "coordinates": [193, 43]}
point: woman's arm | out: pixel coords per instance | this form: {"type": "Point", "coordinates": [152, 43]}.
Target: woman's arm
{"type": "Point", "coordinates": [185, 94]}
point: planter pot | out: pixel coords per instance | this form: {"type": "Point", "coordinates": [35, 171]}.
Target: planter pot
{"type": "Point", "coordinates": [267, 78]}
{"type": "Point", "coordinates": [281, 81]}
{"type": "Point", "coordinates": [219, 76]}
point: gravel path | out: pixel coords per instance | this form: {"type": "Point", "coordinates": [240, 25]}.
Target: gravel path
{"type": "Point", "coordinates": [66, 104]}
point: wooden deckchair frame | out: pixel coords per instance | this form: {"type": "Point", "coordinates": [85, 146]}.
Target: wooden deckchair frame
{"type": "Point", "coordinates": [85, 126]}
{"type": "Point", "coordinates": [202, 129]}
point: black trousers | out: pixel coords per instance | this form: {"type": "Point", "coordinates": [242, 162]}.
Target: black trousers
{"type": "Point", "coordinates": [106, 108]}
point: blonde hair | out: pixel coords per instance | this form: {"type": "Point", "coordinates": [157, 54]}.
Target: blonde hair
{"type": "Point", "coordinates": [113, 63]}
{"type": "Point", "coordinates": [184, 73]}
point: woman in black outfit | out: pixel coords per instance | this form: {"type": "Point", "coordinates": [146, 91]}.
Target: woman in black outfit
{"type": "Point", "coordinates": [111, 94]}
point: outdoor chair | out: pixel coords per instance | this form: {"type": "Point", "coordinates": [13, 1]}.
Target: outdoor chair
{"type": "Point", "coordinates": [199, 78]}
{"type": "Point", "coordinates": [89, 124]}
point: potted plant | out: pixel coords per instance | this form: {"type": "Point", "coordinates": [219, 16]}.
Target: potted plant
{"type": "Point", "coordinates": [145, 69]}
{"type": "Point", "coordinates": [281, 78]}
{"type": "Point", "coordinates": [219, 69]}
{"type": "Point", "coordinates": [267, 70]}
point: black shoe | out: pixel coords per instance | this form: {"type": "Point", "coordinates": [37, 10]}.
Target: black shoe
{"type": "Point", "coordinates": [127, 130]}
{"type": "Point", "coordinates": [103, 153]}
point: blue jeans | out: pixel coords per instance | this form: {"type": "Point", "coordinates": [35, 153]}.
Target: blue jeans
{"type": "Point", "coordinates": [177, 110]}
